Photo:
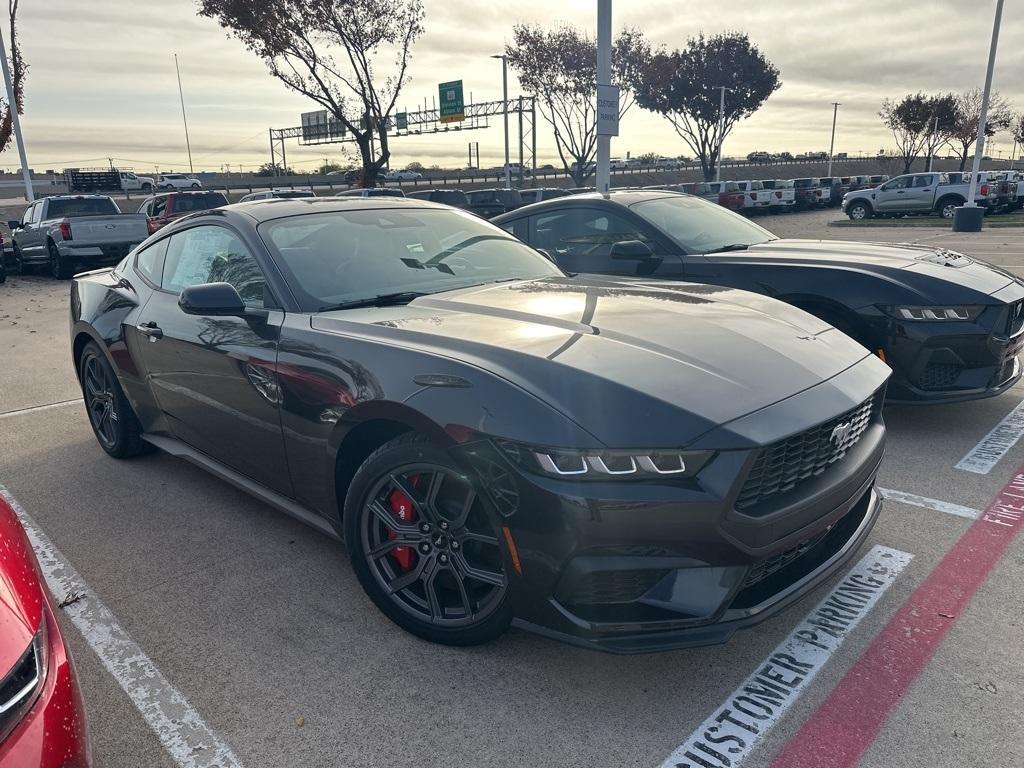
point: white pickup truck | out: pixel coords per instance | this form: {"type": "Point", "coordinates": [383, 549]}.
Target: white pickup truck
{"type": "Point", "coordinates": [755, 196]}
{"type": "Point", "coordinates": [67, 231]}
{"type": "Point", "coordinates": [130, 182]}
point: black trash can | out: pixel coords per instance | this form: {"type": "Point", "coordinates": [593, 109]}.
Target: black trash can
{"type": "Point", "coordinates": [968, 218]}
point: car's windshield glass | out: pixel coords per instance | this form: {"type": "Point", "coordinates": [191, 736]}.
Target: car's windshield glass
{"type": "Point", "coordinates": [341, 256]}
{"type": "Point", "coordinates": [699, 226]}
{"type": "Point", "coordinates": [82, 206]}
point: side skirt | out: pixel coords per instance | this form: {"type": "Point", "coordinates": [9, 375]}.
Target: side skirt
{"type": "Point", "coordinates": [304, 515]}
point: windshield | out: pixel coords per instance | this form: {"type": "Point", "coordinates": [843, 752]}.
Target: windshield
{"type": "Point", "coordinates": [341, 256]}
{"type": "Point", "coordinates": [82, 206]}
{"type": "Point", "coordinates": [700, 226]}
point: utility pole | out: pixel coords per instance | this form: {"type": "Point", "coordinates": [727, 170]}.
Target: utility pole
{"type": "Point", "coordinates": [16, 121]}
{"type": "Point", "coordinates": [721, 130]}
{"type": "Point", "coordinates": [968, 218]}
{"type": "Point", "coordinates": [832, 144]}
{"type": "Point", "coordinates": [181, 95]}
{"type": "Point", "coordinates": [604, 77]}
{"type": "Point", "coordinates": [504, 113]}
{"type": "Point", "coordinates": [931, 150]}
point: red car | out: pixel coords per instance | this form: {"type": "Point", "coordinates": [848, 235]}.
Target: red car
{"type": "Point", "coordinates": [163, 209]}
{"type": "Point", "coordinates": [42, 720]}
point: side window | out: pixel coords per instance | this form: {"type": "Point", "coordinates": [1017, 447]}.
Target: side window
{"type": "Point", "coordinates": [923, 181]}
{"type": "Point", "coordinates": [150, 261]}
{"type": "Point", "coordinates": [27, 218]}
{"type": "Point", "coordinates": [582, 232]}
{"type": "Point", "coordinates": [210, 254]}
{"type": "Point", "coordinates": [158, 206]}
{"type": "Point", "coordinates": [901, 183]}
{"type": "Point", "coordinates": [146, 208]}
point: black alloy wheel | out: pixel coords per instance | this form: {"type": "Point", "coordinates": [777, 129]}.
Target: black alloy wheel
{"type": "Point", "coordinates": [423, 545]}
{"type": "Point", "coordinates": [114, 423]}
{"type": "Point", "coordinates": [60, 268]}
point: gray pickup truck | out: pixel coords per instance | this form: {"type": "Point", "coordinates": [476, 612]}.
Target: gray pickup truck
{"type": "Point", "coordinates": [64, 232]}
{"type": "Point", "coordinates": [915, 193]}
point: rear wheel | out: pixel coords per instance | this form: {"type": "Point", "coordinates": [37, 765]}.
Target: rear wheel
{"type": "Point", "coordinates": [19, 261]}
{"type": "Point", "coordinates": [113, 422]}
{"type": "Point", "coordinates": [858, 211]}
{"type": "Point", "coordinates": [947, 207]}
{"type": "Point", "coordinates": [147, 187]}
{"type": "Point", "coordinates": [423, 545]}
{"type": "Point", "coordinates": [61, 267]}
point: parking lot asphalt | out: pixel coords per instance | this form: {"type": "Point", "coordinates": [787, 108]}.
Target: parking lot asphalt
{"type": "Point", "coordinates": [259, 623]}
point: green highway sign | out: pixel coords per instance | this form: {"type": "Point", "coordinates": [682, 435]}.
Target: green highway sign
{"type": "Point", "coordinates": [453, 108]}
{"type": "Point", "coordinates": [402, 120]}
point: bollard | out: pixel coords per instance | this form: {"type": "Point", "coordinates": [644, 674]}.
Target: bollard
{"type": "Point", "coordinates": [968, 218]}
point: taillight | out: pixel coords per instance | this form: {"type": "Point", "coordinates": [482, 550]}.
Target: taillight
{"type": "Point", "coordinates": [65, 230]}
{"type": "Point", "coordinates": [984, 190]}
{"type": "Point", "coordinates": [151, 226]}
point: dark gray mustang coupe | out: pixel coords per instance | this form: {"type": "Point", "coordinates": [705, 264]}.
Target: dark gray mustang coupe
{"type": "Point", "coordinates": [626, 466]}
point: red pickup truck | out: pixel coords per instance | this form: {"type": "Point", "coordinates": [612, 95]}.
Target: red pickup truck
{"type": "Point", "coordinates": [161, 210]}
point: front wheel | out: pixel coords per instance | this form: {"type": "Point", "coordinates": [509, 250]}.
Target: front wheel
{"type": "Point", "coordinates": [147, 188]}
{"type": "Point", "coordinates": [424, 547]}
{"type": "Point", "coordinates": [858, 211]}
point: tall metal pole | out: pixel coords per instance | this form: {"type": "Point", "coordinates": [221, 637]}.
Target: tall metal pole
{"type": "Point", "coordinates": [931, 150]}
{"type": "Point", "coordinates": [832, 144]}
{"type": "Point", "coordinates": [273, 160]}
{"type": "Point", "coordinates": [521, 141]}
{"type": "Point", "coordinates": [979, 149]}
{"type": "Point", "coordinates": [181, 95]}
{"type": "Point", "coordinates": [604, 77]}
{"type": "Point", "coordinates": [721, 131]}
{"type": "Point", "coordinates": [504, 112]}
{"type": "Point", "coordinates": [16, 121]}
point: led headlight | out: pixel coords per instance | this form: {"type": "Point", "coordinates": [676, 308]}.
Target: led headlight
{"type": "Point", "coordinates": [961, 313]}
{"type": "Point", "coordinates": [605, 465]}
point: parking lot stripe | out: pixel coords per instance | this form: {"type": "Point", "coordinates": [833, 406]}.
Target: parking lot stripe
{"type": "Point", "coordinates": [849, 720]}
{"type": "Point", "coordinates": [180, 728]}
{"type": "Point", "coordinates": [34, 408]}
{"type": "Point", "coordinates": [923, 501]}
{"type": "Point", "coordinates": [993, 446]}
{"type": "Point", "coordinates": [728, 736]}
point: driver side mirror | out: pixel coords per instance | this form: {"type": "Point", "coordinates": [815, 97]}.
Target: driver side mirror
{"type": "Point", "coordinates": [218, 299]}
{"type": "Point", "coordinates": [632, 250]}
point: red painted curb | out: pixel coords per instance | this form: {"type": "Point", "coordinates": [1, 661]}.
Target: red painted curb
{"type": "Point", "coordinates": [849, 720]}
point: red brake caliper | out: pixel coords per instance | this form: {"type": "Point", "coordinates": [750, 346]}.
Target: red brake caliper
{"type": "Point", "coordinates": [402, 508]}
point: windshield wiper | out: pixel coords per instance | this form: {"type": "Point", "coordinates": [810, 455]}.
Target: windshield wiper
{"type": "Point", "coordinates": [382, 300]}
{"type": "Point", "coordinates": [732, 247]}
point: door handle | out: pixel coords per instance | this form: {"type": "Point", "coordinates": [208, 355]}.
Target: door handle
{"type": "Point", "coordinates": [152, 330]}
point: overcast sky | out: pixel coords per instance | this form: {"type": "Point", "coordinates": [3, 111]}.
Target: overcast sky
{"type": "Point", "coordinates": [101, 81]}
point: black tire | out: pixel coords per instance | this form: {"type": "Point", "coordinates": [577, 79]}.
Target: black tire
{"type": "Point", "coordinates": [946, 207]}
{"type": "Point", "coordinates": [147, 187]}
{"type": "Point", "coordinates": [112, 419]}
{"type": "Point", "coordinates": [452, 538]}
{"type": "Point", "coordinates": [60, 267]}
{"type": "Point", "coordinates": [858, 210]}
{"type": "Point", "coordinates": [19, 262]}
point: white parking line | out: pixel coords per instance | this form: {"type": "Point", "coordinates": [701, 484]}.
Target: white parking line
{"type": "Point", "coordinates": [993, 446]}
{"type": "Point", "coordinates": [923, 501]}
{"type": "Point", "coordinates": [34, 408]}
{"type": "Point", "coordinates": [180, 728]}
{"type": "Point", "coordinates": [728, 736]}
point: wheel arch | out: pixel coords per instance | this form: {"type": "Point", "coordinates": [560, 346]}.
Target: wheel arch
{"type": "Point", "coordinates": [834, 313]}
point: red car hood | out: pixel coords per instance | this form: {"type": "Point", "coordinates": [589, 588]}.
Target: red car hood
{"type": "Point", "coordinates": [21, 591]}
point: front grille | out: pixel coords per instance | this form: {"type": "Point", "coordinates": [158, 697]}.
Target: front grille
{"type": "Point", "coordinates": [939, 376]}
{"type": "Point", "coordinates": [765, 568]}
{"type": "Point", "coordinates": [603, 587]}
{"type": "Point", "coordinates": [1015, 319]}
{"type": "Point", "coordinates": [18, 688]}
{"type": "Point", "coordinates": [780, 467]}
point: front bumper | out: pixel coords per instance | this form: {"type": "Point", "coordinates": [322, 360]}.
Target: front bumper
{"type": "Point", "coordinates": [630, 567]}
{"type": "Point", "coordinates": [943, 362]}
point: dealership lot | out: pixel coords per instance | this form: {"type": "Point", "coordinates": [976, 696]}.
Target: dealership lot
{"type": "Point", "coordinates": [258, 622]}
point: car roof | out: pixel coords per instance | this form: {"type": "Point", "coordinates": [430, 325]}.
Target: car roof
{"type": "Point", "coordinates": [625, 198]}
{"type": "Point", "coordinates": [278, 207]}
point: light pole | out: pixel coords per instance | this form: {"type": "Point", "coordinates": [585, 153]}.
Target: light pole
{"type": "Point", "coordinates": [602, 177]}
{"type": "Point", "coordinates": [504, 112]}
{"type": "Point", "coordinates": [12, 104]}
{"type": "Point", "coordinates": [181, 95]}
{"type": "Point", "coordinates": [721, 129]}
{"type": "Point", "coordinates": [932, 150]}
{"type": "Point", "coordinates": [968, 218]}
{"type": "Point", "coordinates": [832, 144]}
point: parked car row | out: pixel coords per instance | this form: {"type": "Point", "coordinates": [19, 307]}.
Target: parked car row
{"type": "Point", "coordinates": [935, 193]}
{"type": "Point", "coordinates": [503, 420]}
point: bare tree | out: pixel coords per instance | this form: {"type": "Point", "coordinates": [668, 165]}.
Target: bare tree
{"type": "Point", "coordinates": [331, 51]}
{"type": "Point", "coordinates": [965, 133]}
{"type": "Point", "coordinates": [683, 87]}
{"type": "Point", "coordinates": [559, 67]}
{"type": "Point", "coordinates": [910, 120]}
{"type": "Point", "coordinates": [18, 71]}
{"type": "Point", "coordinates": [942, 120]}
